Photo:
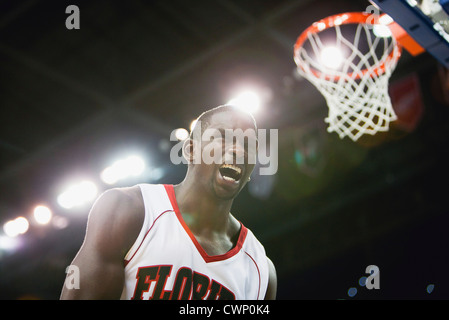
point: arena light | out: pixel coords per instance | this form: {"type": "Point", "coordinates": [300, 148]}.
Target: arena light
{"type": "Point", "coordinates": [42, 214]}
{"type": "Point", "coordinates": [60, 222]}
{"type": "Point", "coordinates": [10, 229]}
{"type": "Point", "coordinates": [8, 243]}
{"type": "Point", "coordinates": [15, 227]}
{"type": "Point", "coordinates": [78, 194]}
{"type": "Point", "coordinates": [124, 168]}
{"type": "Point", "coordinates": [181, 134]}
{"type": "Point", "coordinates": [381, 29]}
{"type": "Point", "coordinates": [247, 100]}
{"type": "Point", "coordinates": [331, 57]}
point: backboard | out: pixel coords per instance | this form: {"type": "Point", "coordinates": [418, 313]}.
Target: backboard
{"type": "Point", "coordinates": [427, 21]}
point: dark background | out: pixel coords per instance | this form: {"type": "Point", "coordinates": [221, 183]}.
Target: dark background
{"type": "Point", "coordinates": [71, 100]}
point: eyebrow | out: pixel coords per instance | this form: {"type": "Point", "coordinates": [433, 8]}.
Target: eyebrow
{"type": "Point", "coordinates": [247, 138]}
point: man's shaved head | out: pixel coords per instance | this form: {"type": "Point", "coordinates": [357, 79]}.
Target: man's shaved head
{"type": "Point", "coordinates": [205, 117]}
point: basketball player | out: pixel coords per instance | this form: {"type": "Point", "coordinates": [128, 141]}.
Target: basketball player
{"type": "Point", "coordinates": [178, 242]}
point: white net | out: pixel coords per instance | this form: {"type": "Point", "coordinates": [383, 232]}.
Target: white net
{"type": "Point", "coordinates": [351, 69]}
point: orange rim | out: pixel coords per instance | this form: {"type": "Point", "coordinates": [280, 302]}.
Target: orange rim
{"type": "Point", "coordinates": [340, 19]}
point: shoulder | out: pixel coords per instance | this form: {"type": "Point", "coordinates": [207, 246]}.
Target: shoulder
{"type": "Point", "coordinates": [116, 218]}
{"type": "Point", "coordinates": [120, 204]}
{"type": "Point", "coordinates": [130, 197]}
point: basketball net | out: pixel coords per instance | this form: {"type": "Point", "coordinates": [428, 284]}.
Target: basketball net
{"type": "Point", "coordinates": [356, 88]}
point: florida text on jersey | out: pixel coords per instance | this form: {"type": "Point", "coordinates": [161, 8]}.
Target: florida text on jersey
{"type": "Point", "coordinates": [167, 262]}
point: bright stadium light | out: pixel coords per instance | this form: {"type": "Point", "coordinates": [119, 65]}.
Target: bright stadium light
{"type": "Point", "coordinates": [247, 100]}
{"type": "Point", "coordinates": [121, 169]}
{"type": "Point", "coordinates": [42, 214]}
{"type": "Point", "coordinates": [10, 229]}
{"type": "Point", "coordinates": [59, 222]}
{"type": "Point", "coordinates": [8, 243]}
{"type": "Point", "coordinates": [22, 225]}
{"type": "Point", "coordinates": [181, 134]}
{"type": "Point", "coordinates": [136, 165]}
{"type": "Point", "coordinates": [381, 29]}
{"type": "Point", "coordinates": [13, 228]}
{"type": "Point", "coordinates": [78, 194]}
{"type": "Point", "coordinates": [331, 57]}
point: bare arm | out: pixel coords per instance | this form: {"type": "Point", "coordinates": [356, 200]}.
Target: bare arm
{"type": "Point", "coordinates": [272, 282]}
{"type": "Point", "coordinates": [114, 223]}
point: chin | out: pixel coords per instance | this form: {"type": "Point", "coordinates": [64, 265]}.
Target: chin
{"type": "Point", "coordinates": [225, 194]}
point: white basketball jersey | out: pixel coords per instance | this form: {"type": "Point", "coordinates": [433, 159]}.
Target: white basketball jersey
{"type": "Point", "coordinates": [167, 262]}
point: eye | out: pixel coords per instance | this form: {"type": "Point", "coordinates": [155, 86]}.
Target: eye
{"type": "Point", "coordinates": [212, 135]}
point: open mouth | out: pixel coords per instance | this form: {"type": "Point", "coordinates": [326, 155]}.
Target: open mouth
{"type": "Point", "coordinates": [230, 172]}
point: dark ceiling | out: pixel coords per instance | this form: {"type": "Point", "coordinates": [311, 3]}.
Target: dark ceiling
{"type": "Point", "coordinates": [70, 100]}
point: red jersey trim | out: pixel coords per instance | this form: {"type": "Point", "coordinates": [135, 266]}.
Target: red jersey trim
{"type": "Point", "coordinates": [141, 242]}
{"type": "Point", "coordinates": [258, 272]}
{"type": "Point", "coordinates": [207, 258]}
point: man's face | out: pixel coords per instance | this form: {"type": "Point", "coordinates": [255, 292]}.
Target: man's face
{"type": "Point", "coordinates": [233, 135]}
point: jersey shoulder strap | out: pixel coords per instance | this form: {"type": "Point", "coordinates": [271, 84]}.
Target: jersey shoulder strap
{"type": "Point", "coordinates": [156, 202]}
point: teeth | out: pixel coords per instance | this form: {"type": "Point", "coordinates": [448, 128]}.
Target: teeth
{"type": "Point", "coordinates": [230, 172]}
{"type": "Point", "coordinates": [228, 178]}
{"type": "Point", "coordinates": [230, 166]}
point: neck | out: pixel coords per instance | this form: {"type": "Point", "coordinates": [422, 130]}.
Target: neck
{"type": "Point", "coordinates": [202, 211]}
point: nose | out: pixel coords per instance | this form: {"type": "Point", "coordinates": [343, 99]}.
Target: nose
{"type": "Point", "coordinates": [236, 151]}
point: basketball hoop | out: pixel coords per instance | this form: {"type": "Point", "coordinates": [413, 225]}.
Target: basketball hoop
{"type": "Point", "coordinates": [344, 58]}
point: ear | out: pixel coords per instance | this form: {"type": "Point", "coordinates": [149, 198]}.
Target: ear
{"type": "Point", "coordinates": [187, 150]}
